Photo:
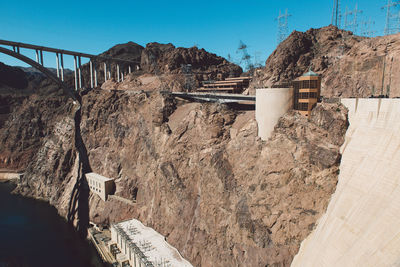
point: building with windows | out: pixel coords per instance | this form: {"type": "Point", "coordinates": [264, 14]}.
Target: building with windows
{"type": "Point", "coordinates": [100, 185]}
{"type": "Point", "coordinates": [306, 92]}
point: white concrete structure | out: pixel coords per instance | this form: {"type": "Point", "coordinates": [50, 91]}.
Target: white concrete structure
{"type": "Point", "coordinates": [100, 185]}
{"type": "Point", "coordinates": [361, 226]}
{"type": "Point", "coordinates": [142, 245]}
{"type": "Point", "coordinates": [271, 104]}
{"type": "Point", "coordinates": [10, 175]}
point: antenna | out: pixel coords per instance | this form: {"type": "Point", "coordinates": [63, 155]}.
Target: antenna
{"type": "Point", "coordinates": [391, 18]}
{"type": "Point", "coordinates": [336, 14]}
{"type": "Point", "coordinates": [283, 31]}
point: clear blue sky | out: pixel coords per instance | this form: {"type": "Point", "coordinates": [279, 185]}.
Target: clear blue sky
{"type": "Point", "coordinates": [217, 26]}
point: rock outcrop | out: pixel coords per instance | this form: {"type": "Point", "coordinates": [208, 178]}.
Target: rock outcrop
{"type": "Point", "coordinates": [166, 58]}
{"type": "Point", "coordinates": [351, 66]}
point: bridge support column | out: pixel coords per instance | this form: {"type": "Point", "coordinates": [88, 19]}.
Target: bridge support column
{"type": "Point", "coordinates": [79, 72]}
{"type": "Point", "coordinates": [129, 70]}
{"type": "Point", "coordinates": [75, 74]}
{"type": "Point", "coordinates": [105, 72]}
{"type": "Point", "coordinates": [122, 76]}
{"type": "Point", "coordinates": [58, 66]}
{"type": "Point", "coordinates": [16, 49]}
{"type": "Point", "coordinates": [62, 67]}
{"type": "Point", "coordinates": [37, 56]}
{"type": "Point", "coordinates": [95, 76]}
{"type": "Point", "coordinates": [41, 57]}
{"type": "Point", "coordinates": [117, 73]}
{"type": "Point", "coordinates": [91, 73]}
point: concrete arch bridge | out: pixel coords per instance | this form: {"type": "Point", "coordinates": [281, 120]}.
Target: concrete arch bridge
{"type": "Point", "coordinates": [16, 52]}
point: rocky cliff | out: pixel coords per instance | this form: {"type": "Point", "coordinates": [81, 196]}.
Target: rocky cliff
{"type": "Point", "coordinates": [199, 173]}
{"type": "Point", "coordinates": [351, 66]}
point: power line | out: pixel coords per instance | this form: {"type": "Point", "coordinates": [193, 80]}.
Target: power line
{"type": "Point", "coordinates": [283, 30]}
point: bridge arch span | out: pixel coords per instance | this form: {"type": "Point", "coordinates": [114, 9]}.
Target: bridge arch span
{"type": "Point", "coordinates": [42, 69]}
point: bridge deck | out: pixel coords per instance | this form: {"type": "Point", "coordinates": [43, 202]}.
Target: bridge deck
{"type": "Point", "coordinates": [62, 51]}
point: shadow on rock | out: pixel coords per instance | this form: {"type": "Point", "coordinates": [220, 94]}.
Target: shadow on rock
{"type": "Point", "coordinates": [79, 202]}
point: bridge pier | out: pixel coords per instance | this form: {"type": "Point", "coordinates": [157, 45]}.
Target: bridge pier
{"type": "Point", "coordinates": [117, 73]}
{"type": "Point", "coordinates": [41, 57]}
{"type": "Point", "coordinates": [105, 72]}
{"type": "Point", "coordinates": [91, 73]}
{"type": "Point", "coordinates": [79, 72]}
{"type": "Point", "coordinates": [95, 76]}
{"type": "Point", "coordinates": [75, 74]}
{"type": "Point", "coordinates": [62, 67]}
{"type": "Point", "coordinates": [58, 66]}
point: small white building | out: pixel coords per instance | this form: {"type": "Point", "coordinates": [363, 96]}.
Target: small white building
{"type": "Point", "coordinates": [100, 185]}
{"type": "Point", "coordinates": [142, 246]}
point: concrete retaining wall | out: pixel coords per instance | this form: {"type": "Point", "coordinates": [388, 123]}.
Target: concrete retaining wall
{"type": "Point", "coordinates": [362, 224]}
{"type": "Point", "coordinates": [271, 104]}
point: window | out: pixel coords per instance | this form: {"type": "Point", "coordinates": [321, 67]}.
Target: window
{"type": "Point", "coordinates": [314, 84]}
{"type": "Point", "coordinates": [303, 106]}
{"type": "Point", "coordinates": [306, 84]}
{"type": "Point", "coordinates": [304, 95]}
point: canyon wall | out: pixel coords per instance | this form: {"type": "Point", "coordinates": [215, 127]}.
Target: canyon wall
{"type": "Point", "coordinates": [361, 225]}
{"type": "Point", "coordinates": [198, 171]}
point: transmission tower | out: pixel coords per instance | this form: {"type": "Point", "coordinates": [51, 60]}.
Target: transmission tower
{"type": "Point", "coordinates": [283, 30]}
{"type": "Point", "coordinates": [246, 58]}
{"type": "Point", "coordinates": [336, 14]}
{"type": "Point", "coordinates": [392, 24]}
{"type": "Point", "coordinates": [257, 61]}
{"type": "Point", "coordinates": [366, 29]}
{"type": "Point", "coordinates": [351, 19]}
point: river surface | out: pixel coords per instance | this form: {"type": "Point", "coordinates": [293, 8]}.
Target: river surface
{"type": "Point", "coordinates": [33, 234]}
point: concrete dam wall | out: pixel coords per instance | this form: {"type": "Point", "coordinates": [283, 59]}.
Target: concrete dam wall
{"type": "Point", "coordinates": [361, 226]}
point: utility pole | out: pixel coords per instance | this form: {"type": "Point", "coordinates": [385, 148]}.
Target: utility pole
{"type": "Point", "coordinates": [283, 31]}
{"type": "Point", "coordinates": [336, 14]}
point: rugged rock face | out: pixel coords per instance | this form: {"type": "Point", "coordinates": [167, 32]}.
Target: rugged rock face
{"type": "Point", "coordinates": [164, 62]}
{"type": "Point", "coordinates": [166, 58]}
{"type": "Point", "coordinates": [351, 66]}
{"type": "Point", "coordinates": [200, 175]}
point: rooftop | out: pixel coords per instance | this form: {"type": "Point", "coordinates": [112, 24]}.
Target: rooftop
{"type": "Point", "coordinates": [98, 177]}
{"type": "Point", "coordinates": [310, 73]}
{"type": "Point", "coordinates": [151, 244]}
